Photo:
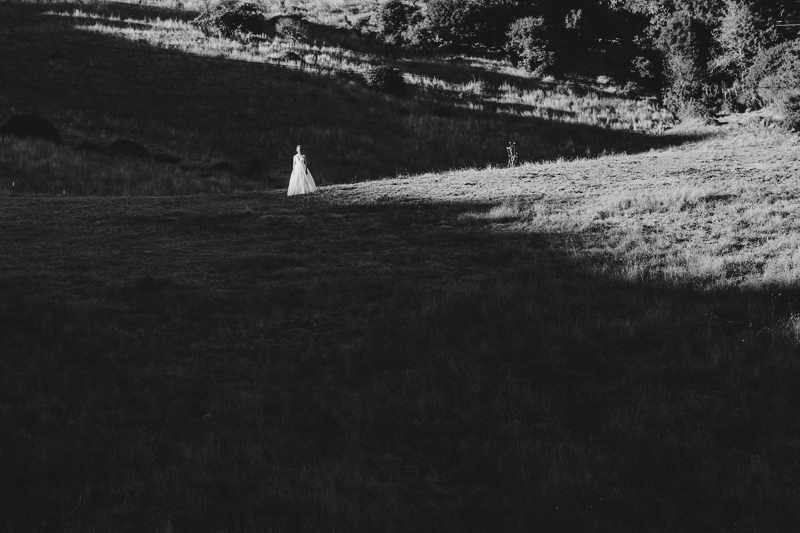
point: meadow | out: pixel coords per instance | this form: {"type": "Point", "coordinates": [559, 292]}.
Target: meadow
{"type": "Point", "coordinates": [603, 338]}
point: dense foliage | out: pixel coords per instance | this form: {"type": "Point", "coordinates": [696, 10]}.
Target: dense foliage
{"type": "Point", "coordinates": [698, 56]}
{"type": "Point", "coordinates": [528, 44]}
{"type": "Point", "coordinates": [232, 20]}
{"type": "Point", "coordinates": [395, 18]}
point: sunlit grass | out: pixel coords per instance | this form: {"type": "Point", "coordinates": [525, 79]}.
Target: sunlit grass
{"type": "Point", "coordinates": [557, 102]}
{"type": "Point", "coordinates": [721, 214]}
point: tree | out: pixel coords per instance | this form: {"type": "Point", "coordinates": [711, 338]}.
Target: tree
{"type": "Point", "coordinates": [395, 18]}
{"type": "Point", "coordinates": [685, 43]}
{"type": "Point", "coordinates": [529, 45]}
{"type": "Point", "coordinates": [478, 24]}
{"type": "Point", "coordinates": [740, 36]}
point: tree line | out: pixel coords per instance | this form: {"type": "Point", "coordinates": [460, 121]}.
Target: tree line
{"type": "Point", "coordinates": [698, 56]}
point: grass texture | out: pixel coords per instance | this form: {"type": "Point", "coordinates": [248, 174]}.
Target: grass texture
{"type": "Point", "coordinates": [603, 344]}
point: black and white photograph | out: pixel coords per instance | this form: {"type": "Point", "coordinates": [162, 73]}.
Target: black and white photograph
{"type": "Point", "coordinates": [454, 266]}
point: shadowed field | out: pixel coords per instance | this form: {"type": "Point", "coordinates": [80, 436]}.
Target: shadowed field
{"type": "Point", "coordinates": [605, 344]}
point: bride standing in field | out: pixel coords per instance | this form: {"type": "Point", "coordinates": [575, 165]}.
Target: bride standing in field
{"type": "Point", "coordinates": [301, 181]}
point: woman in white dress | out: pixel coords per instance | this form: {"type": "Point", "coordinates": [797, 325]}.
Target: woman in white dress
{"type": "Point", "coordinates": [301, 181]}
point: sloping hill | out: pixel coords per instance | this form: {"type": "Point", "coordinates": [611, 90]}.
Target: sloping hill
{"type": "Point", "coordinates": [226, 115]}
{"type": "Point", "coordinates": [604, 338]}
{"type": "Point", "coordinates": [600, 344]}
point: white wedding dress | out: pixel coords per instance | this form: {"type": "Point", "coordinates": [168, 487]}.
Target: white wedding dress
{"type": "Point", "coordinates": [301, 181]}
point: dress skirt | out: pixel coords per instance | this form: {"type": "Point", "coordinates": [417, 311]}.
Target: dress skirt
{"type": "Point", "coordinates": [301, 181]}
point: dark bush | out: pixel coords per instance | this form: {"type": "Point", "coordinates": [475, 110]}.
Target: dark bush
{"type": "Point", "coordinates": [472, 24]}
{"type": "Point", "coordinates": [685, 44]}
{"type": "Point", "coordinates": [685, 82]}
{"type": "Point", "coordinates": [647, 72]}
{"type": "Point", "coordinates": [31, 127]}
{"type": "Point", "coordinates": [774, 79]}
{"type": "Point", "coordinates": [385, 79]}
{"type": "Point", "coordinates": [528, 45]}
{"type": "Point", "coordinates": [232, 21]}
{"type": "Point", "coordinates": [395, 18]}
{"type": "Point", "coordinates": [790, 108]}
{"type": "Point", "coordinates": [773, 76]}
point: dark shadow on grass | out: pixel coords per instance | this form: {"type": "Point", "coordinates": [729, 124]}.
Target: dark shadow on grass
{"type": "Point", "coordinates": [375, 367]}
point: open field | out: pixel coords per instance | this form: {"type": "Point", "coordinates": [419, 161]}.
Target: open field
{"type": "Point", "coordinates": [605, 338]}
{"type": "Point", "coordinates": [605, 344]}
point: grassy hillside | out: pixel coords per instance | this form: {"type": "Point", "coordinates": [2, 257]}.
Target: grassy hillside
{"type": "Point", "coordinates": [607, 344]}
{"type": "Point", "coordinates": [225, 116]}
{"type": "Point", "coordinates": [604, 338]}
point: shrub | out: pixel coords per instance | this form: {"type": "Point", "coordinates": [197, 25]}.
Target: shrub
{"type": "Point", "coordinates": [418, 35]}
{"type": "Point", "coordinates": [685, 43]}
{"type": "Point", "coordinates": [232, 21]}
{"type": "Point", "coordinates": [290, 27]}
{"type": "Point", "coordinates": [385, 79]}
{"type": "Point", "coordinates": [647, 71]}
{"type": "Point", "coordinates": [395, 18]}
{"type": "Point", "coordinates": [774, 75]}
{"type": "Point", "coordinates": [469, 23]}
{"type": "Point", "coordinates": [790, 108]}
{"type": "Point", "coordinates": [528, 45]}
{"type": "Point", "coordinates": [477, 88]}
{"type": "Point", "coordinates": [685, 83]}
{"type": "Point", "coordinates": [739, 38]}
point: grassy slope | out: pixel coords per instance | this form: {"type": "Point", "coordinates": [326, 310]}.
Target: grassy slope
{"type": "Point", "coordinates": [232, 115]}
{"type": "Point", "coordinates": [604, 344]}
{"type": "Point", "coordinates": [607, 345]}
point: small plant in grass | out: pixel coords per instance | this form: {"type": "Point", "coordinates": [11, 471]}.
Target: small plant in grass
{"type": "Point", "coordinates": [476, 88]}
